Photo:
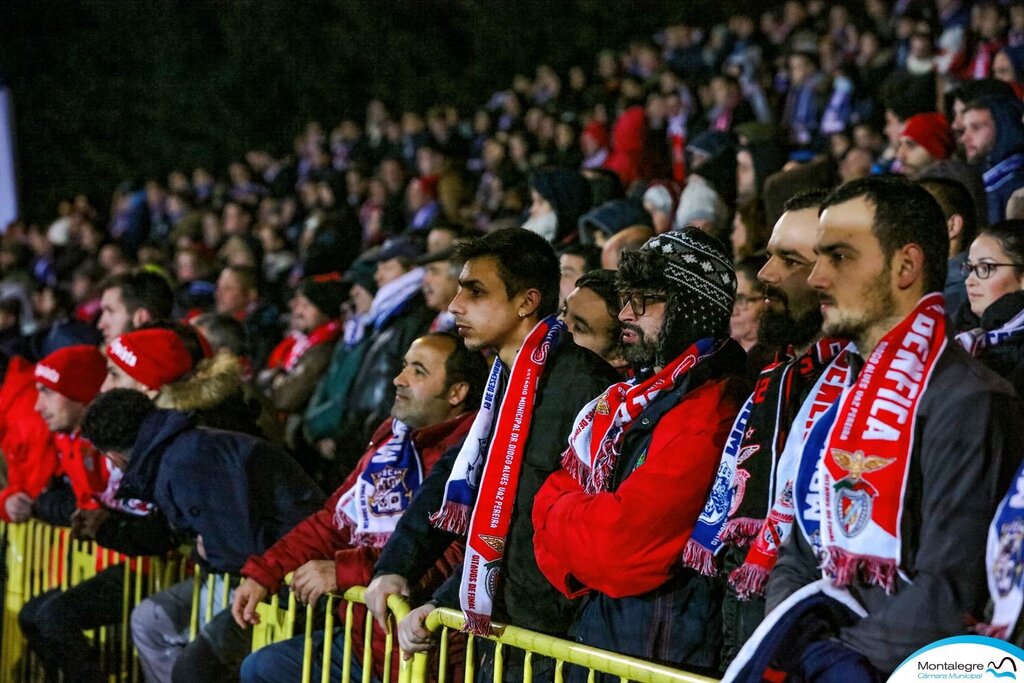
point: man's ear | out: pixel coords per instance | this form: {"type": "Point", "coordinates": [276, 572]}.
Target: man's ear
{"type": "Point", "coordinates": [530, 303]}
{"type": "Point", "coordinates": [457, 393]}
{"type": "Point", "coordinates": [955, 227]}
{"type": "Point", "coordinates": [908, 265]}
{"type": "Point", "coordinates": [140, 317]}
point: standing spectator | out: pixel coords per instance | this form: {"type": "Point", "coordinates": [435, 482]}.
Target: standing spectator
{"type": "Point", "coordinates": [238, 295]}
{"type": "Point", "coordinates": [960, 211]}
{"type": "Point", "coordinates": [925, 139]}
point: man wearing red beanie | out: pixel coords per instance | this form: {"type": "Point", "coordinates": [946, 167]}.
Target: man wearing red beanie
{"type": "Point", "coordinates": [146, 360]}
{"type": "Point", "coordinates": [67, 380]}
{"type": "Point", "coordinates": [925, 139]}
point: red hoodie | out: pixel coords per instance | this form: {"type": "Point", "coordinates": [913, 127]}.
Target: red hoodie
{"type": "Point", "coordinates": [627, 145]}
{"type": "Point", "coordinates": [24, 437]}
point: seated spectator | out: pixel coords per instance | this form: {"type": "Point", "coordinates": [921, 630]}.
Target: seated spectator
{"type": "Point", "coordinates": [296, 364]}
{"type": "Point", "coordinates": [238, 295]}
{"type": "Point", "coordinates": [438, 394]}
{"type": "Point", "coordinates": [661, 200]}
{"type": "Point", "coordinates": [745, 323]}
{"type": "Point", "coordinates": [993, 139]}
{"type": "Point", "coordinates": [995, 278]}
{"type": "Point", "coordinates": [131, 299]}
{"type": "Point", "coordinates": [911, 583]}
{"type": "Point", "coordinates": [591, 316]}
{"type": "Point", "coordinates": [67, 380]}
{"type": "Point", "coordinates": [440, 285]}
{"type": "Point", "coordinates": [234, 493]}
{"type": "Point", "coordinates": [750, 231]}
{"type": "Point", "coordinates": [573, 262]}
{"type": "Point", "coordinates": [925, 139]}
{"type": "Point", "coordinates": [559, 197]}
{"type": "Point", "coordinates": [961, 223]}
{"type": "Point", "coordinates": [630, 239]}
{"type": "Point", "coordinates": [507, 301]}
{"type": "Point", "coordinates": [607, 526]}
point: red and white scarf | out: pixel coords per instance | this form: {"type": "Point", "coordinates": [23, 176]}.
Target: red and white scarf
{"type": "Point", "coordinates": [481, 489]}
{"type": "Point", "coordinates": [597, 437]}
{"type": "Point", "coordinates": [290, 351]}
{"type": "Point", "coordinates": [864, 465]}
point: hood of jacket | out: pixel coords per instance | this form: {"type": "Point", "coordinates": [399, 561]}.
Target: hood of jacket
{"type": "Point", "coordinates": [215, 380]}
{"type": "Point", "coordinates": [1006, 113]}
{"type": "Point", "coordinates": [158, 431]}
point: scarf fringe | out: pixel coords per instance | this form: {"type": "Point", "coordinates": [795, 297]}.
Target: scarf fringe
{"type": "Point", "coordinates": [843, 566]}
{"type": "Point", "coordinates": [699, 558]}
{"type": "Point", "coordinates": [749, 581]}
{"type": "Point", "coordinates": [992, 631]}
{"type": "Point", "coordinates": [453, 518]}
{"type": "Point", "coordinates": [741, 532]}
{"type": "Point", "coordinates": [575, 467]}
{"type": "Point", "coordinates": [368, 540]}
{"type": "Point", "coordinates": [593, 480]}
{"type": "Point", "coordinates": [477, 624]}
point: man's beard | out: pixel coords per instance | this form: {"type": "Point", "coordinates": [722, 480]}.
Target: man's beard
{"type": "Point", "coordinates": [779, 328]}
{"type": "Point", "coordinates": [644, 352]}
{"type": "Point", "coordinates": [878, 305]}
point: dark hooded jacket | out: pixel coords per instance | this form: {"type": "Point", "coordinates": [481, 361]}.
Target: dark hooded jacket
{"type": "Point", "coordinates": [568, 193]}
{"type": "Point", "coordinates": [1003, 168]}
{"type": "Point", "coordinates": [240, 493]}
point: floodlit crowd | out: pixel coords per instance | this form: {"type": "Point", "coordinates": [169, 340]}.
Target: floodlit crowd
{"type": "Point", "coordinates": [709, 352]}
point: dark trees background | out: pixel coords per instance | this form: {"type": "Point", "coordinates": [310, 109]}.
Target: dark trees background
{"type": "Point", "coordinates": [111, 90]}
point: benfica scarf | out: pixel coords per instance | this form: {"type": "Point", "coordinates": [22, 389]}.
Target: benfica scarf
{"type": "Point", "coordinates": [372, 507]}
{"type": "Point", "coordinates": [481, 489]}
{"type": "Point", "coordinates": [744, 485]}
{"type": "Point", "coordinates": [597, 437]}
{"type": "Point", "coordinates": [1004, 557]}
{"type": "Point", "coordinates": [751, 578]}
{"type": "Point", "coordinates": [131, 506]}
{"type": "Point", "coordinates": [854, 477]}
{"type": "Point", "coordinates": [289, 352]}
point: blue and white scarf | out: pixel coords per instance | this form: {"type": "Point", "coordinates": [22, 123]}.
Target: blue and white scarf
{"type": "Point", "coordinates": [388, 301]}
{"type": "Point", "coordinates": [372, 507]}
{"type": "Point", "coordinates": [1004, 560]}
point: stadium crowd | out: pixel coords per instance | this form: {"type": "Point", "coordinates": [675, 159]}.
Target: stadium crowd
{"type": "Point", "coordinates": [709, 352]}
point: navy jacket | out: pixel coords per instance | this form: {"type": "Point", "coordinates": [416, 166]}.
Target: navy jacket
{"type": "Point", "coordinates": [240, 493]}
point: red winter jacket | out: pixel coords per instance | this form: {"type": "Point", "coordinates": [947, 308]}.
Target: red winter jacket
{"type": "Point", "coordinates": [25, 439]}
{"type": "Point", "coordinates": [629, 541]}
{"type": "Point", "coordinates": [319, 538]}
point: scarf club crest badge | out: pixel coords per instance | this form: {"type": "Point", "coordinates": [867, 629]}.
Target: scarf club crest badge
{"type": "Point", "coordinates": [854, 495]}
{"type": "Point", "coordinates": [391, 493]}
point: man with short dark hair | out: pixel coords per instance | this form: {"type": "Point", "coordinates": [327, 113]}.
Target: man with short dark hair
{"type": "Point", "coordinates": [131, 299]}
{"type": "Point", "coordinates": [574, 261]}
{"type": "Point", "coordinates": [614, 521]}
{"type": "Point", "coordinates": [958, 207]}
{"type": "Point", "coordinates": [591, 315]}
{"type": "Point", "coordinates": [438, 392]}
{"type": "Point", "coordinates": [892, 496]}
{"type": "Point", "coordinates": [235, 493]}
{"type": "Point", "coordinates": [238, 295]}
{"type": "Point", "coordinates": [508, 295]}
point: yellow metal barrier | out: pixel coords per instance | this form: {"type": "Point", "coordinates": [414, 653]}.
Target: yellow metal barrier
{"type": "Point", "coordinates": [532, 643]}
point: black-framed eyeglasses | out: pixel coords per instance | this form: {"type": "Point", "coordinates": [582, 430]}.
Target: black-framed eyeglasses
{"type": "Point", "coordinates": [638, 301]}
{"type": "Point", "coordinates": [983, 269]}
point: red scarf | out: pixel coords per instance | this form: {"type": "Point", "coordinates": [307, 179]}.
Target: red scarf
{"type": "Point", "coordinates": [864, 466]}
{"type": "Point", "coordinates": [290, 351]}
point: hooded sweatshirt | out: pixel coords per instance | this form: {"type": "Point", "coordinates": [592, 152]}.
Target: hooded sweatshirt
{"type": "Point", "coordinates": [1003, 167]}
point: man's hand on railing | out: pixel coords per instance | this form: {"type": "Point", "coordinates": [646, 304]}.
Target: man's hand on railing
{"type": "Point", "coordinates": [413, 635]}
{"type": "Point", "coordinates": [249, 594]}
{"type": "Point", "coordinates": [18, 507]}
{"type": "Point", "coordinates": [313, 579]}
{"type": "Point", "coordinates": [377, 595]}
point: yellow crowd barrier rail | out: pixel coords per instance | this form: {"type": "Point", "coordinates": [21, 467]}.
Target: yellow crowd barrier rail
{"type": "Point", "coordinates": [534, 644]}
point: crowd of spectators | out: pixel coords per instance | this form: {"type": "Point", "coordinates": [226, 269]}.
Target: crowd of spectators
{"type": "Point", "coordinates": [314, 300]}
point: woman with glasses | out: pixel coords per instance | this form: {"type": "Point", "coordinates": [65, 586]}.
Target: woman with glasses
{"type": "Point", "coordinates": [991, 322]}
{"type": "Point", "coordinates": [745, 323]}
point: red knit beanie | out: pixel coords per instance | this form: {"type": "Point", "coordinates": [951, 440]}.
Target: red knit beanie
{"type": "Point", "coordinates": [931, 131]}
{"type": "Point", "coordinates": [152, 357]}
{"type": "Point", "coordinates": [76, 372]}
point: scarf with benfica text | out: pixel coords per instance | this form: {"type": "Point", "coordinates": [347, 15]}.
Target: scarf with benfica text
{"type": "Point", "coordinates": [481, 489]}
